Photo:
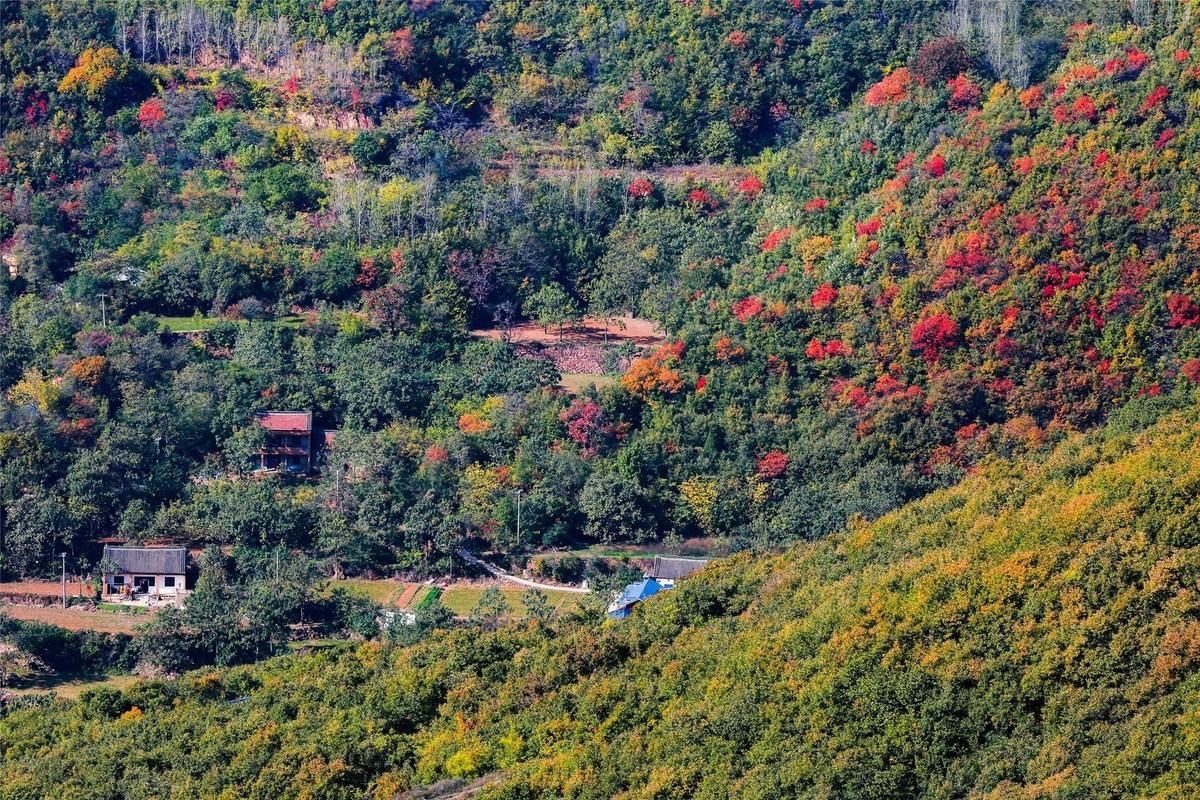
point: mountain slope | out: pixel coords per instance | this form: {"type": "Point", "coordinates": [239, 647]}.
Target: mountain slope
{"type": "Point", "coordinates": [1031, 632]}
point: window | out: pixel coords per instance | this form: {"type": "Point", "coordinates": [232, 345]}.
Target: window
{"type": "Point", "coordinates": [169, 581]}
{"type": "Point", "coordinates": [118, 580]}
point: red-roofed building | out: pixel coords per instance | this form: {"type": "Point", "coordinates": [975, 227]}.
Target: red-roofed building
{"type": "Point", "coordinates": [289, 445]}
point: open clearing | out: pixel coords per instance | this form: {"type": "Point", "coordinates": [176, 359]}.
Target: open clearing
{"type": "Point", "coordinates": [590, 330]}
{"type": "Point", "coordinates": [458, 597]}
{"type": "Point", "coordinates": [461, 598]}
{"type": "Point", "coordinates": [198, 324]}
{"type": "Point", "coordinates": [45, 588]}
{"type": "Point", "coordinates": [71, 688]}
{"type": "Point", "coordinates": [576, 382]}
{"type": "Point", "coordinates": [77, 618]}
{"type": "Point", "coordinates": [385, 591]}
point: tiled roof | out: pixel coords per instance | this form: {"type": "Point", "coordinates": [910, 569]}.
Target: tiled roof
{"type": "Point", "coordinates": [286, 421]}
{"type": "Point", "coordinates": [673, 568]}
{"type": "Point", "coordinates": [149, 560]}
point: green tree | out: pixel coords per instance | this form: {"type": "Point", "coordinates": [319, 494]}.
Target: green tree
{"type": "Point", "coordinates": [490, 607]}
{"type": "Point", "coordinates": [537, 605]}
{"type": "Point", "coordinates": [551, 305]}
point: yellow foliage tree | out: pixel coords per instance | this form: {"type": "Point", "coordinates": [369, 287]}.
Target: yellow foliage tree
{"type": "Point", "coordinates": [94, 71]}
{"type": "Point", "coordinates": [35, 389]}
{"type": "Point", "coordinates": [700, 494]}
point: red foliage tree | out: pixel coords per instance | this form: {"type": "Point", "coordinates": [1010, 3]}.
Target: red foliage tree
{"type": "Point", "coordinates": [964, 93]}
{"type": "Point", "coordinates": [824, 296]}
{"type": "Point", "coordinates": [584, 420]}
{"type": "Point", "coordinates": [700, 197]}
{"type": "Point", "coordinates": [939, 60]}
{"type": "Point", "coordinates": [773, 464]}
{"type": "Point", "coordinates": [1157, 97]}
{"type": "Point", "coordinates": [892, 89]}
{"type": "Point", "coordinates": [400, 44]}
{"type": "Point", "coordinates": [817, 204]}
{"type": "Point", "coordinates": [151, 114]}
{"type": "Point", "coordinates": [640, 188]}
{"type": "Point", "coordinates": [935, 167]}
{"type": "Point", "coordinates": [934, 335]}
{"type": "Point", "coordinates": [747, 308]}
{"type": "Point", "coordinates": [1032, 98]}
{"type": "Point", "coordinates": [869, 227]}
{"type": "Point", "coordinates": [750, 186]}
{"type": "Point", "coordinates": [1183, 310]}
{"type": "Point", "coordinates": [774, 239]}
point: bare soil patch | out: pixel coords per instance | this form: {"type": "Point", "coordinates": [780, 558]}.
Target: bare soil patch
{"type": "Point", "coordinates": [39, 591]}
{"type": "Point", "coordinates": [641, 332]}
{"type": "Point", "coordinates": [405, 600]}
{"type": "Point", "coordinates": [78, 618]}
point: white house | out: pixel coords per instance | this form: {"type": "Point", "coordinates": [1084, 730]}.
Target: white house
{"type": "Point", "coordinates": [145, 571]}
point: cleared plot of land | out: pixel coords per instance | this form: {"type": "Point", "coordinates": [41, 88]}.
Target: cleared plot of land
{"type": "Point", "coordinates": [72, 688]}
{"type": "Point", "coordinates": [459, 598]}
{"type": "Point", "coordinates": [44, 588]}
{"type": "Point", "coordinates": [462, 598]}
{"type": "Point", "coordinates": [590, 330]}
{"type": "Point", "coordinates": [198, 324]}
{"type": "Point", "coordinates": [385, 591]}
{"type": "Point", "coordinates": [576, 382]}
{"type": "Point", "coordinates": [405, 600]}
{"type": "Point", "coordinates": [77, 619]}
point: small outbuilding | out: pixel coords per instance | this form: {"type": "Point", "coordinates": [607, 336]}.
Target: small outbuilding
{"type": "Point", "coordinates": [152, 572]}
{"type": "Point", "coordinates": [669, 569]}
{"type": "Point", "coordinates": [633, 594]}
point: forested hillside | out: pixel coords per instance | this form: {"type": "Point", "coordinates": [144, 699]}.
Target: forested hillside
{"type": "Point", "coordinates": [927, 277]}
{"type": "Point", "coordinates": [911, 250]}
{"type": "Point", "coordinates": [1031, 632]}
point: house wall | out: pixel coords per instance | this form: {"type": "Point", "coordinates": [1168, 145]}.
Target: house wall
{"type": "Point", "coordinates": [177, 590]}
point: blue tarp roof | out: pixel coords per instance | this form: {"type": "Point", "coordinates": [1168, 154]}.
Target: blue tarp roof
{"type": "Point", "coordinates": [635, 593]}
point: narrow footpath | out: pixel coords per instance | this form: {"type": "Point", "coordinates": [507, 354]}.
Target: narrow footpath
{"type": "Point", "coordinates": [508, 576]}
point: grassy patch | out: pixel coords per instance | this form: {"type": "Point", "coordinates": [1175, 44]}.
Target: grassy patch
{"type": "Point", "coordinates": [72, 687]}
{"type": "Point", "coordinates": [383, 592]}
{"type": "Point", "coordinates": [196, 324]}
{"type": "Point", "coordinates": [576, 382]}
{"type": "Point", "coordinates": [113, 620]}
{"type": "Point", "coordinates": [462, 599]}
{"type": "Point", "coordinates": [427, 597]}
{"type": "Point", "coordinates": [121, 608]}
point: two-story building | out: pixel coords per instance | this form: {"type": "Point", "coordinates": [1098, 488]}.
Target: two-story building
{"type": "Point", "coordinates": [289, 442]}
{"type": "Point", "coordinates": [292, 445]}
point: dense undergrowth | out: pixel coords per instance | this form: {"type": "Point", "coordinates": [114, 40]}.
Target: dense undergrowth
{"type": "Point", "coordinates": [1030, 632]}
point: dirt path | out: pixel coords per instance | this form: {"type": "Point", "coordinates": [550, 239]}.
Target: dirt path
{"type": "Point", "coordinates": [406, 597]}
{"type": "Point", "coordinates": [506, 576]}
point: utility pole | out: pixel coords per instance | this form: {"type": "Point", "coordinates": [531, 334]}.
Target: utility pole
{"type": "Point", "coordinates": [519, 517]}
{"type": "Point", "coordinates": [103, 309]}
{"type": "Point", "coordinates": [64, 579]}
